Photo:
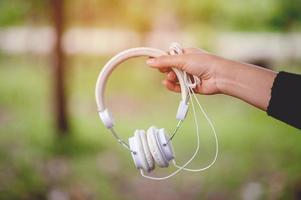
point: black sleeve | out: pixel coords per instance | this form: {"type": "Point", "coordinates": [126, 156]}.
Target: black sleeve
{"type": "Point", "coordinates": [285, 102]}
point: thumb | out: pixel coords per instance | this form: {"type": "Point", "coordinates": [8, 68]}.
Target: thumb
{"type": "Point", "coordinates": [176, 61]}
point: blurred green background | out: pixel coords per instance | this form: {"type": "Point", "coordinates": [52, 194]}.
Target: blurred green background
{"type": "Point", "coordinates": [52, 143]}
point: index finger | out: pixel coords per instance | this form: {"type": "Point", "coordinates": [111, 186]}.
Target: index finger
{"type": "Point", "coordinates": [164, 69]}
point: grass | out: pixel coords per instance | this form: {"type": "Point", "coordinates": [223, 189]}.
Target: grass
{"type": "Point", "coordinates": [35, 163]}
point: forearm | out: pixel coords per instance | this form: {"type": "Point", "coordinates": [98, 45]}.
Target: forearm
{"type": "Point", "coordinates": [247, 82]}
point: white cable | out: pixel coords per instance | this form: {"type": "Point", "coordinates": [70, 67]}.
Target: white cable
{"type": "Point", "coordinates": [193, 156]}
{"type": "Point", "coordinates": [175, 130]}
{"type": "Point", "coordinates": [175, 49]}
{"type": "Point", "coordinates": [214, 133]}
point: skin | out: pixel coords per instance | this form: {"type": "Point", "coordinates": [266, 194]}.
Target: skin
{"type": "Point", "coordinates": [218, 75]}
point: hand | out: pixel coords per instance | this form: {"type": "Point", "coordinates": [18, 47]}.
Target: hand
{"type": "Point", "coordinates": [218, 75]}
{"type": "Point", "coordinates": [195, 62]}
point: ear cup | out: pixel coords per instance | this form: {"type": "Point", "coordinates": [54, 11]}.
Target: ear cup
{"type": "Point", "coordinates": [147, 153]}
{"type": "Point", "coordinates": [139, 156]}
{"type": "Point", "coordinates": [165, 145]}
{"type": "Point", "coordinates": [154, 147]}
{"type": "Point", "coordinates": [134, 147]}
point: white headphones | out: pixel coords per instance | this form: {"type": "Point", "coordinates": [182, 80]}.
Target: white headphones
{"type": "Point", "coordinates": [154, 145]}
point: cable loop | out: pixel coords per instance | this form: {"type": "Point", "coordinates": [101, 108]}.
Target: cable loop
{"type": "Point", "coordinates": [176, 49]}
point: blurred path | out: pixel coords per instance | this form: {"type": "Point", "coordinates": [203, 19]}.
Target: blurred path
{"type": "Point", "coordinates": [95, 41]}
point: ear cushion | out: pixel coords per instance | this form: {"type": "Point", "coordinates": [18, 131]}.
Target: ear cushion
{"type": "Point", "coordinates": [153, 147]}
{"type": "Point", "coordinates": [139, 156]}
{"type": "Point", "coordinates": [141, 151]}
{"type": "Point", "coordinates": [135, 152]}
{"type": "Point", "coordinates": [147, 153]}
{"type": "Point", "coordinates": [164, 145]}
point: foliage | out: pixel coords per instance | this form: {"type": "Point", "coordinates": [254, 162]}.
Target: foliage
{"type": "Point", "coordinates": [268, 15]}
{"type": "Point", "coordinates": [90, 163]}
{"type": "Point", "coordinates": [16, 12]}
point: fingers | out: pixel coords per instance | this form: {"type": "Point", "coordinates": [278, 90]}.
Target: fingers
{"type": "Point", "coordinates": [164, 69]}
{"type": "Point", "coordinates": [171, 76]}
{"type": "Point", "coordinates": [198, 89]}
{"type": "Point", "coordinates": [172, 86]}
{"type": "Point", "coordinates": [171, 82]}
{"type": "Point", "coordinates": [193, 50]}
{"type": "Point", "coordinates": [176, 61]}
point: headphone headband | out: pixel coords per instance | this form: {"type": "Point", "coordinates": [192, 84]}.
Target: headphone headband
{"type": "Point", "coordinates": [121, 57]}
{"type": "Point", "coordinates": [155, 146]}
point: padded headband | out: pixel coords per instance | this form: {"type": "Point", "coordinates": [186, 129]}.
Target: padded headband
{"type": "Point", "coordinates": [121, 57]}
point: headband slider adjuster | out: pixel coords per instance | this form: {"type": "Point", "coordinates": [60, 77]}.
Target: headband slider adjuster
{"type": "Point", "coordinates": [182, 110]}
{"type": "Point", "coordinates": [106, 118]}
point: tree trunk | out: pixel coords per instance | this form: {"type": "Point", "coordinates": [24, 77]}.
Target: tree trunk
{"type": "Point", "coordinates": [57, 7]}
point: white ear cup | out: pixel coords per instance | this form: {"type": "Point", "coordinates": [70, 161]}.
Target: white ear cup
{"type": "Point", "coordinates": [154, 147]}
{"type": "Point", "coordinates": [164, 145]}
{"type": "Point", "coordinates": [139, 156]}
{"type": "Point", "coordinates": [134, 152]}
{"type": "Point", "coordinates": [150, 147]}
{"type": "Point", "coordinates": [147, 153]}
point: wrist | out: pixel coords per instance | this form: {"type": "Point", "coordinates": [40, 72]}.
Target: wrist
{"type": "Point", "coordinates": [226, 72]}
{"type": "Point", "coordinates": [247, 82]}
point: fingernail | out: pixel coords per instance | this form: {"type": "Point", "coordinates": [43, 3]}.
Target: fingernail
{"type": "Point", "coordinates": [150, 61]}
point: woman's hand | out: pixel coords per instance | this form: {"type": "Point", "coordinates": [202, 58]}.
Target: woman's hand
{"type": "Point", "coordinates": [195, 62]}
{"type": "Point", "coordinates": [218, 75]}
